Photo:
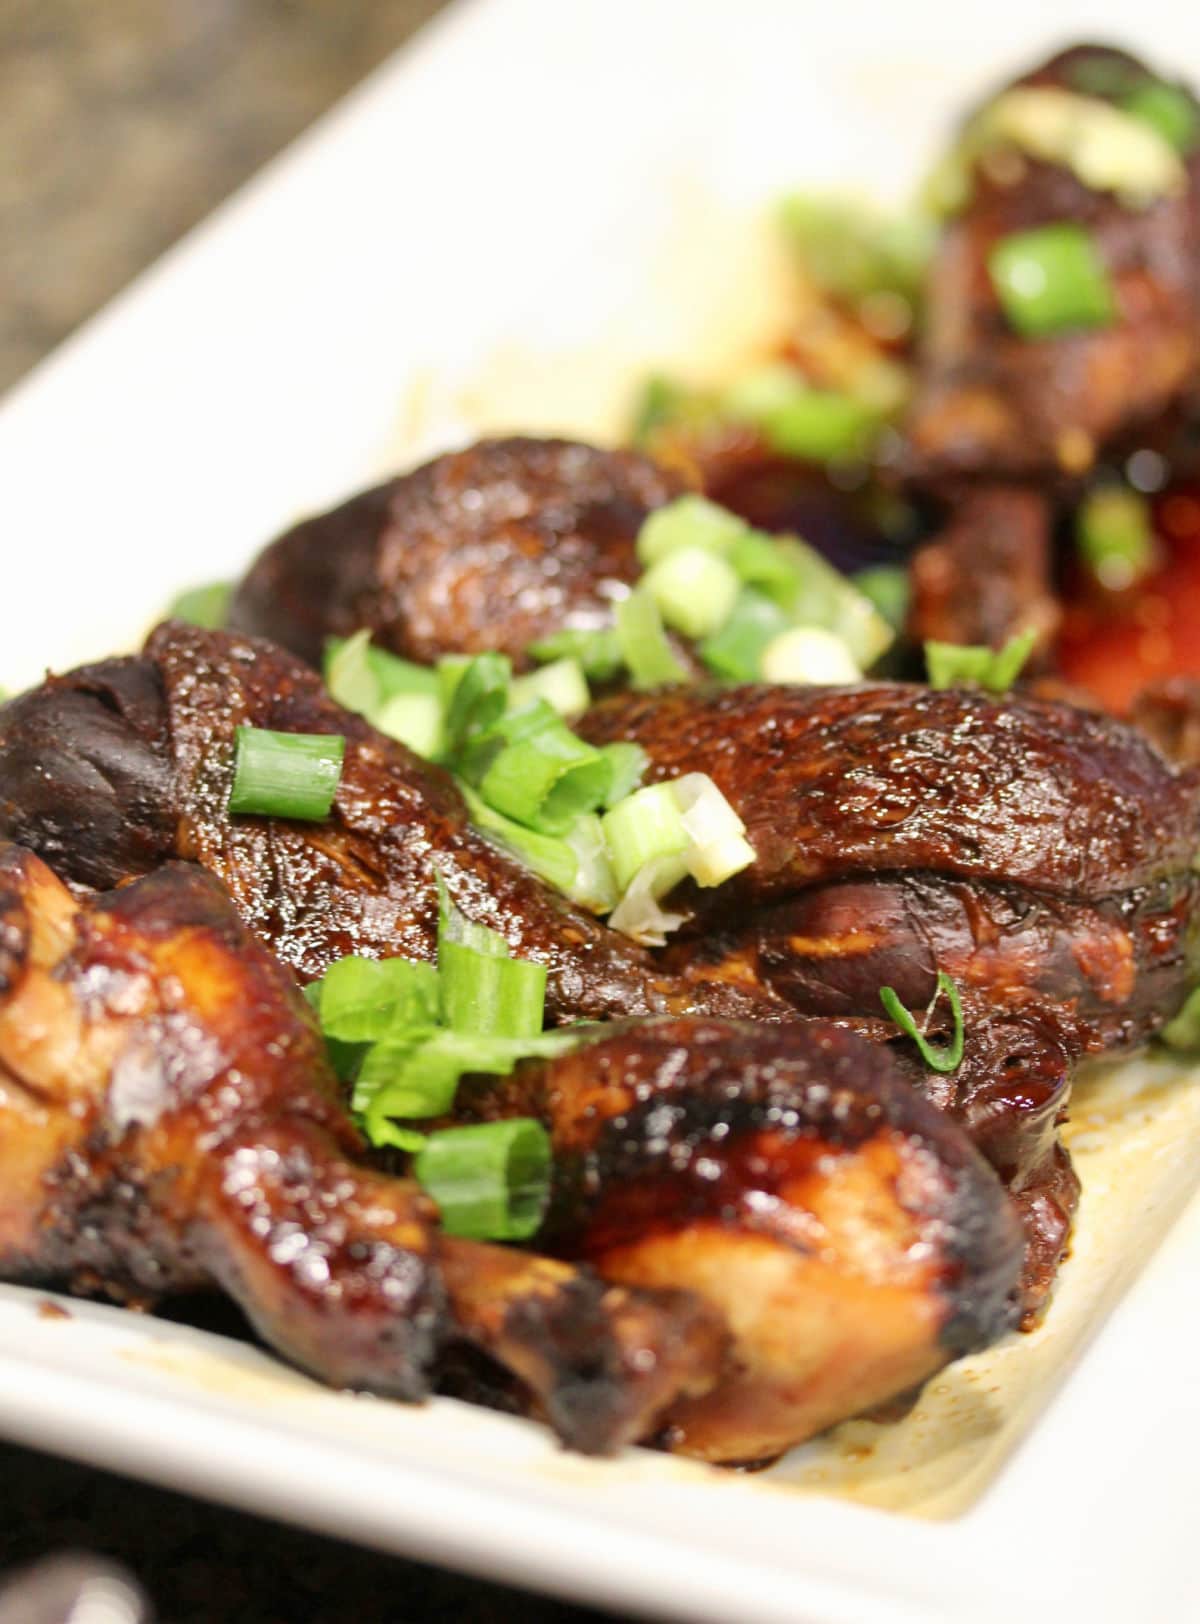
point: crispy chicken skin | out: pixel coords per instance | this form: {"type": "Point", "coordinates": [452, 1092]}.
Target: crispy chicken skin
{"type": "Point", "coordinates": [488, 548]}
{"type": "Point", "coordinates": [153, 738]}
{"type": "Point", "coordinates": [168, 1120]}
{"type": "Point", "coordinates": [995, 405]}
{"type": "Point", "coordinates": [789, 1177]}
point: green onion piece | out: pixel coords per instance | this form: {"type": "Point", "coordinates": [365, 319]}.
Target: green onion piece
{"type": "Point", "coordinates": [951, 665]}
{"type": "Point", "coordinates": [825, 597]}
{"type": "Point", "coordinates": [454, 926]}
{"type": "Point", "coordinates": [817, 425]}
{"type": "Point", "coordinates": [666, 403]}
{"type": "Point", "coordinates": [688, 521]}
{"type": "Point", "coordinates": [808, 655]}
{"type": "Point", "coordinates": [361, 1000]}
{"type": "Point", "coordinates": [1166, 108]}
{"type": "Point", "coordinates": [717, 844]}
{"type": "Point", "coordinates": [694, 589]}
{"type": "Point", "coordinates": [1182, 1032]}
{"type": "Point", "coordinates": [554, 860]}
{"type": "Point", "coordinates": [1104, 76]}
{"type": "Point", "coordinates": [638, 914]}
{"type": "Point", "coordinates": [286, 775]}
{"type": "Point", "coordinates": [851, 252]}
{"type": "Point", "coordinates": [415, 1075]}
{"type": "Point", "coordinates": [362, 677]}
{"type": "Point", "coordinates": [474, 694]}
{"type": "Point", "coordinates": [767, 564]}
{"type": "Point", "coordinates": [627, 763]}
{"type": "Point", "coordinates": [735, 652]}
{"type": "Point", "coordinates": [942, 1057]}
{"type": "Point", "coordinates": [1115, 537]}
{"type": "Point", "coordinates": [531, 767]}
{"type": "Point", "coordinates": [206, 606]}
{"type": "Point", "coordinates": [414, 720]}
{"type": "Point", "coordinates": [1051, 280]}
{"type": "Point", "coordinates": [643, 643]}
{"type": "Point", "coordinates": [490, 996]}
{"type": "Point", "coordinates": [593, 885]}
{"type": "Point", "coordinates": [645, 826]}
{"type": "Point", "coordinates": [490, 1180]}
{"type": "Point", "coordinates": [561, 684]}
{"type": "Point", "coordinates": [886, 586]}
{"type": "Point", "coordinates": [596, 652]}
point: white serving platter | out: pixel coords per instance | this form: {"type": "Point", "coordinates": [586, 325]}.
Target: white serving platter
{"type": "Point", "coordinates": [506, 226]}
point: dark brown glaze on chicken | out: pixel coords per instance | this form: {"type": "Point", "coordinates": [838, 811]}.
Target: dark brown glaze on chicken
{"type": "Point", "coordinates": [833, 782]}
{"type": "Point", "coordinates": [488, 548]}
{"type": "Point", "coordinates": [987, 574]}
{"type": "Point", "coordinates": [1039, 855]}
{"type": "Point", "coordinates": [791, 1178]}
{"type": "Point", "coordinates": [168, 1120]}
{"type": "Point", "coordinates": [361, 882]}
{"type": "Point", "coordinates": [991, 404]}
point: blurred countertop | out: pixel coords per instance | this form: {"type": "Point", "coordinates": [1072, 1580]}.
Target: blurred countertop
{"type": "Point", "coordinates": [123, 122]}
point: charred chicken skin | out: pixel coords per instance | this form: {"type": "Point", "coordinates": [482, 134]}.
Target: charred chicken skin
{"type": "Point", "coordinates": [488, 548]}
{"type": "Point", "coordinates": [168, 1121]}
{"type": "Point", "coordinates": [791, 1179]}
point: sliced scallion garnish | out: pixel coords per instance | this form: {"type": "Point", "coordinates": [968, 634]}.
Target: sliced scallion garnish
{"type": "Point", "coordinates": [597, 652]}
{"type": "Point", "coordinates": [644, 646]}
{"type": "Point", "coordinates": [689, 521]}
{"type": "Point", "coordinates": [205, 606]}
{"type": "Point", "coordinates": [808, 655]}
{"type": "Point", "coordinates": [953, 665]}
{"type": "Point", "coordinates": [361, 1000]}
{"type": "Point", "coordinates": [1115, 537]}
{"type": "Point", "coordinates": [561, 684]}
{"type": "Point", "coordinates": [1052, 280]}
{"type": "Point", "coordinates": [695, 590]}
{"type": "Point", "coordinates": [285, 775]}
{"type": "Point", "coordinates": [940, 1057]}
{"type": "Point", "coordinates": [490, 1180]}
{"type": "Point", "coordinates": [532, 768]}
{"type": "Point", "coordinates": [474, 692]}
{"type": "Point", "coordinates": [647, 825]}
{"type": "Point", "coordinates": [735, 652]}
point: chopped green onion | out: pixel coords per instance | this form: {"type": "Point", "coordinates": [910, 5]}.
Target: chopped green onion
{"type": "Point", "coordinates": [809, 655]}
{"type": "Point", "coordinates": [414, 720]}
{"type": "Point", "coordinates": [689, 521]}
{"type": "Point", "coordinates": [767, 564]}
{"type": "Point", "coordinates": [286, 775]}
{"type": "Point", "coordinates": [851, 252]}
{"type": "Point", "coordinates": [638, 914]}
{"type": "Point", "coordinates": [597, 652]}
{"type": "Point", "coordinates": [643, 643]}
{"type": "Point", "coordinates": [887, 587]}
{"type": "Point", "coordinates": [645, 826]}
{"type": "Point", "coordinates": [551, 858]}
{"type": "Point", "coordinates": [1052, 280]}
{"type": "Point", "coordinates": [1182, 1032]}
{"type": "Point", "coordinates": [627, 764]}
{"type": "Point", "coordinates": [1101, 75]}
{"type": "Point", "coordinates": [474, 694]}
{"type": "Point", "coordinates": [951, 665]}
{"type": "Point", "coordinates": [735, 652]}
{"type": "Point", "coordinates": [561, 684]}
{"type": "Point", "coordinates": [825, 597]}
{"type": "Point", "coordinates": [416, 1075]}
{"type": "Point", "coordinates": [490, 996]}
{"type": "Point", "coordinates": [1115, 537]}
{"type": "Point", "coordinates": [531, 767]}
{"type": "Point", "coordinates": [817, 425]}
{"type": "Point", "coordinates": [455, 927]}
{"type": "Point", "coordinates": [941, 1057]}
{"type": "Point", "coordinates": [205, 606]}
{"type": "Point", "coordinates": [1165, 108]}
{"type": "Point", "coordinates": [593, 885]}
{"type": "Point", "coordinates": [694, 589]}
{"type": "Point", "coordinates": [361, 1000]}
{"type": "Point", "coordinates": [490, 1180]}
{"type": "Point", "coordinates": [718, 848]}
{"type": "Point", "coordinates": [667, 403]}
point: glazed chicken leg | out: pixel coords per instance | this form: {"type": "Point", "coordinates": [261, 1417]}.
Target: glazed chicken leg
{"type": "Point", "coordinates": [168, 1121]}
